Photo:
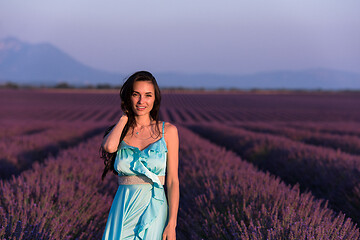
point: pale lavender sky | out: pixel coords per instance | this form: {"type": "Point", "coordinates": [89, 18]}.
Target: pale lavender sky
{"type": "Point", "coordinates": [201, 36]}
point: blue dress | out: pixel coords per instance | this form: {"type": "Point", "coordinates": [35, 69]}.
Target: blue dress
{"type": "Point", "coordinates": [139, 211]}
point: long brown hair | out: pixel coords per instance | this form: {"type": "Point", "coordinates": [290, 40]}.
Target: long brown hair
{"type": "Point", "coordinates": [125, 96]}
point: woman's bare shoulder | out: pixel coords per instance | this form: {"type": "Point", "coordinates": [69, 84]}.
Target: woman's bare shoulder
{"type": "Point", "coordinates": [170, 129]}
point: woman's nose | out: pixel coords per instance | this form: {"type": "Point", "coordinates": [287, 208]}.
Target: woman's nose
{"type": "Point", "coordinates": [140, 99]}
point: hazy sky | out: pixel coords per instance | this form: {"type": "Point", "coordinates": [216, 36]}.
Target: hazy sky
{"type": "Point", "coordinates": [233, 37]}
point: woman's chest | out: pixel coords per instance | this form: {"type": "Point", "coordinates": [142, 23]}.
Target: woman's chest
{"type": "Point", "coordinates": [129, 158]}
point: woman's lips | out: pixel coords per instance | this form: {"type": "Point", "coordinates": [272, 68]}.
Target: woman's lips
{"type": "Point", "coordinates": [140, 108]}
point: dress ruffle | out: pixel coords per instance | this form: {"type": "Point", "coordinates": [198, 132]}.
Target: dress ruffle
{"type": "Point", "coordinates": [138, 167]}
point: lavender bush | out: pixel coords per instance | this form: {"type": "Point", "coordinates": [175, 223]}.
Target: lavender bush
{"type": "Point", "coordinates": [22, 143]}
{"type": "Point", "coordinates": [223, 197]}
{"type": "Point", "coordinates": [60, 199]}
{"type": "Point", "coordinates": [327, 173]}
{"type": "Point", "coordinates": [340, 142]}
{"type": "Point", "coordinates": [338, 127]}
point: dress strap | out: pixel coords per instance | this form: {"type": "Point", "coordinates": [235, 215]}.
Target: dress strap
{"type": "Point", "coordinates": [163, 129]}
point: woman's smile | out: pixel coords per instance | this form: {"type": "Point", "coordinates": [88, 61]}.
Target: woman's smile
{"type": "Point", "coordinates": [140, 108]}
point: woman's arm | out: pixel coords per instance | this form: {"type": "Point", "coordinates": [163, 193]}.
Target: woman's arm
{"type": "Point", "coordinates": [110, 142]}
{"type": "Point", "coordinates": [172, 180]}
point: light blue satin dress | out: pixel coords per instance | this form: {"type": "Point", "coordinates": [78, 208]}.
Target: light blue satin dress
{"type": "Point", "coordinates": [139, 211]}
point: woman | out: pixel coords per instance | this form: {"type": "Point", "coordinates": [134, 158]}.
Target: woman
{"type": "Point", "coordinates": [140, 154]}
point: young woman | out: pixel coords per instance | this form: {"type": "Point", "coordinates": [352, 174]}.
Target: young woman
{"type": "Point", "coordinates": [142, 151]}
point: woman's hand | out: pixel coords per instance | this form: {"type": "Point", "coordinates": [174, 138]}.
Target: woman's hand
{"type": "Point", "coordinates": [169, 233]}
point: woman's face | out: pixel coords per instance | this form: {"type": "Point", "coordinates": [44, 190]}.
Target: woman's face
{"type": "Point", "coordinates": [142, 97]}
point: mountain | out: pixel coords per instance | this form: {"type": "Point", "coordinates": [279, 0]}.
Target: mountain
{"type": "Point", "coordinates": [44, 64]}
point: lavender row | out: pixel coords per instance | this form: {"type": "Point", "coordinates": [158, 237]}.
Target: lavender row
{"type": "Point", "coordinates": [346, 143]}
{"type": "Point", "coordinates": [36, 141]}
{"type": "Point", "coordinates": [224, 197]}
{"type": "Point", "coordinates": [60, 199]}
{"type": "Point", "coordinates": [340, 127]}
{"type": "Point", "coordinates": [329, 174]}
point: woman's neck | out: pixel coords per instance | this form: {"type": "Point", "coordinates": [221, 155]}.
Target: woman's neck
{"type": "Point", "coordinates": [143, 120]}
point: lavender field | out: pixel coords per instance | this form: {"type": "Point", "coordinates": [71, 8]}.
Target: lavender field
{"type": "Point", "coordinates": [252, 165]}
